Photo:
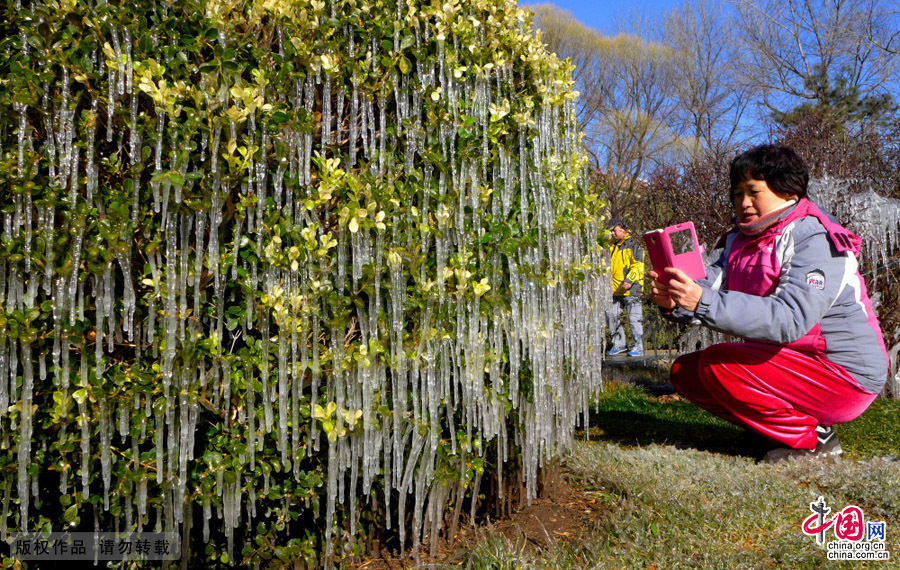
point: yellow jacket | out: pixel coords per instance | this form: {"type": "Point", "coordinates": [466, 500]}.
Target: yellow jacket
{"type": "Point", "coordinates": [627, 267]}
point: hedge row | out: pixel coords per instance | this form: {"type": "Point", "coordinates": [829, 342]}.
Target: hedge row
{"type": "Point", "coordinates": [274, 274]}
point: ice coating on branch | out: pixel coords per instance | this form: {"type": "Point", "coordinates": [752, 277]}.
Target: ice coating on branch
{"type": "Point", "coordinates": [874, 218]}
{"type": "Point", "coordinates": [452, 350]}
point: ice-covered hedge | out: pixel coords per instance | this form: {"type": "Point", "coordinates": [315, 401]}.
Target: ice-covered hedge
{"type": "Point", "coordinates": [278, 273]}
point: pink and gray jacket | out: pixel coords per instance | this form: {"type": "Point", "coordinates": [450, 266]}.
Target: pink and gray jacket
{"type": "Point", "coordinates": [797, 284]}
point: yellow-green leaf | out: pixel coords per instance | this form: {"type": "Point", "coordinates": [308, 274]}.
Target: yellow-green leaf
{"type": "Point", "coordinates": [404, 65]}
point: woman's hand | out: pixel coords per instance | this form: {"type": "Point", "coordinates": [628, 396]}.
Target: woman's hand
{"type": "Point", "coordinates": [660, 293]}
{"type": "Point", "coordinates": [681, 290]}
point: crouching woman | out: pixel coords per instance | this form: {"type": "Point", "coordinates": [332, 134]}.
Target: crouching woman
{"type": "Point", "coordinates": [786, 281]}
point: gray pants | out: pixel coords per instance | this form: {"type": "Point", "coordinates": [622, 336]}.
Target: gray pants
{"type": "Point", "coordinates": [632, 307]}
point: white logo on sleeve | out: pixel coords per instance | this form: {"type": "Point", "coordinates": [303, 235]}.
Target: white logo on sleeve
{"type": "Point", "coordinates": [816, 278]}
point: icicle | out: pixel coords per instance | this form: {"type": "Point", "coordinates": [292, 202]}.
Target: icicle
{"type": "Point", "coordinates": [383, 131]}
{"type": "Point", "coordinates": [23, 455]}
{"type": "Point", "coordinates": [129, 64]}
{"type": "Point", "coordinates": [364, 120]}
{"type": "Point", "coordinates": [307, 147]}
{"type": "Point", "coordinates": [326, 115]}
{"type": "Point", "coordinates": [105, 459]}
{"type": "Point", "coordinates": [160, 129]}
{"type": "Point", "coordinates": [23, 125]}
{"type": "Point", "coordinates": [283, 397]}
{"type": "Point", "coordinates": [73, 279]}
{"type": "Point", "coordinates": [4, 514]}
{"type": "Point", "coordinates": [73, 175]}
{"type": "Point", "coordinates": [142, 501]}
{"type": "Point", "coordinates": [170, 325]}
{"type": "Point", "coordinates": [159, 443]}
{"type": "Point", "coordinates": [111, 105]}
{"type": "Point", "coordinates": [4, 394]}
{"type": "Point", "coordinates": [354, 121]}
{"type": "Point", "coordinates": [207, 515]}
{"type": "Point", "coordinates": [85, 449]}
{"type": "Point", "coordinates": [129, 298]}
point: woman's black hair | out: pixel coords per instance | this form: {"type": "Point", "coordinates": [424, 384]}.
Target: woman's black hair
{"type": "Point", "coordinates": [779, 166]}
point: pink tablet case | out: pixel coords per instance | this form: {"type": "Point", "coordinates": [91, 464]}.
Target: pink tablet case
{"type": "Point", "coordinates": [676, 246]}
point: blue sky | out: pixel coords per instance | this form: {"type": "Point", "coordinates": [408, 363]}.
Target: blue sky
{"type": "Point", "coordinates": [601, 13]}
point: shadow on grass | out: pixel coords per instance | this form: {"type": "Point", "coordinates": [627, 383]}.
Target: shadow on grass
{"type": "Point", "coordinates": [639, 415]}
{"type": "Point", "coordinates": [641, 412]}
{"type": "Point", "coordinates": [641, 429]}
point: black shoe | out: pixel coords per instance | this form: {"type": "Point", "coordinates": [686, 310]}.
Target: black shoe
{"type": "Point", "coordinates": [826, 446]}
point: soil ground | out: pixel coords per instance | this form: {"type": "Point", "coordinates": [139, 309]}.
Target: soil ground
{"type": "Point", "coordinates": [563, 512]}
{"type": "Point", "coordinates": [559, 515]}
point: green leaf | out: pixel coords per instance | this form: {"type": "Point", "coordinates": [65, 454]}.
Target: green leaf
{"type": "Point", "coordinates": [80, 395]}
{"type": "Point", "coordinates": [175, 178]}
{"type": "Point", "coordinates": [404, 65]}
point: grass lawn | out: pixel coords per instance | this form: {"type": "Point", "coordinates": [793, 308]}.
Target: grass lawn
{"type": "Point", "coordinates": [671, 486]}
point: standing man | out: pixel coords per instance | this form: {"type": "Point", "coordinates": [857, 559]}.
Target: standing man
{"type": "Point", "coordinates": [627, 276]}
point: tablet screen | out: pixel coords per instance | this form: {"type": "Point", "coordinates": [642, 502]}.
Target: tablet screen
{"type": "Point", "coordinates": [682, 242]}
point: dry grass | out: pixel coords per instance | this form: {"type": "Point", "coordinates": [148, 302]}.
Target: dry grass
{"type": "Point", "coordinates": [658, 502]}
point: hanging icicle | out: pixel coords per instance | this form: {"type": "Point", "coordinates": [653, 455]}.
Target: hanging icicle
{"type": "Point", "coordinates": [291, 275]}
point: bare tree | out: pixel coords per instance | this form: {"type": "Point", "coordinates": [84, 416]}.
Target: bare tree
{"type": "Point", "coordinates": [711, 101]}
{"type": "Point", "coordinates": [625, 102]}
{"type": "Point", "coordinates": [570, 39]}
{"type": "Point", "coordinates": [659, 91]}
{"type": "Point", "coordinates": [800, 51]}
{"type": "Point", "coordinates": [633, 131]}
{"type": "Point", "coordinates": [880, 28]}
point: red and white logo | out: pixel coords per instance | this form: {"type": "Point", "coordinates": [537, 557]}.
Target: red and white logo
{"type": "Point", "coordinates": [816, 279]}
{"type": "Point", "coordinates": [855, 537]}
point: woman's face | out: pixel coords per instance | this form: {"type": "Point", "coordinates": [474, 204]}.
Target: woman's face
{"type": "Point", "coordinates": [754, 199]}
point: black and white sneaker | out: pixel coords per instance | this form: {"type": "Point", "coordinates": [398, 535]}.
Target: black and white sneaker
{"type": "Point", "coordinates": [826, 446]}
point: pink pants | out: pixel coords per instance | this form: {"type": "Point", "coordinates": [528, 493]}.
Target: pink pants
{"type": "Point", "coordinates": [778, 392]}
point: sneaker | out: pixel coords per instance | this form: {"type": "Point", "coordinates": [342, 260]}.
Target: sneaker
{"type": "Point", "coordinates": [826, 446]}
{"type": "Point", "coordinates": [616, 350]}
{"type": "Point", "coordinates": [635, 352]}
